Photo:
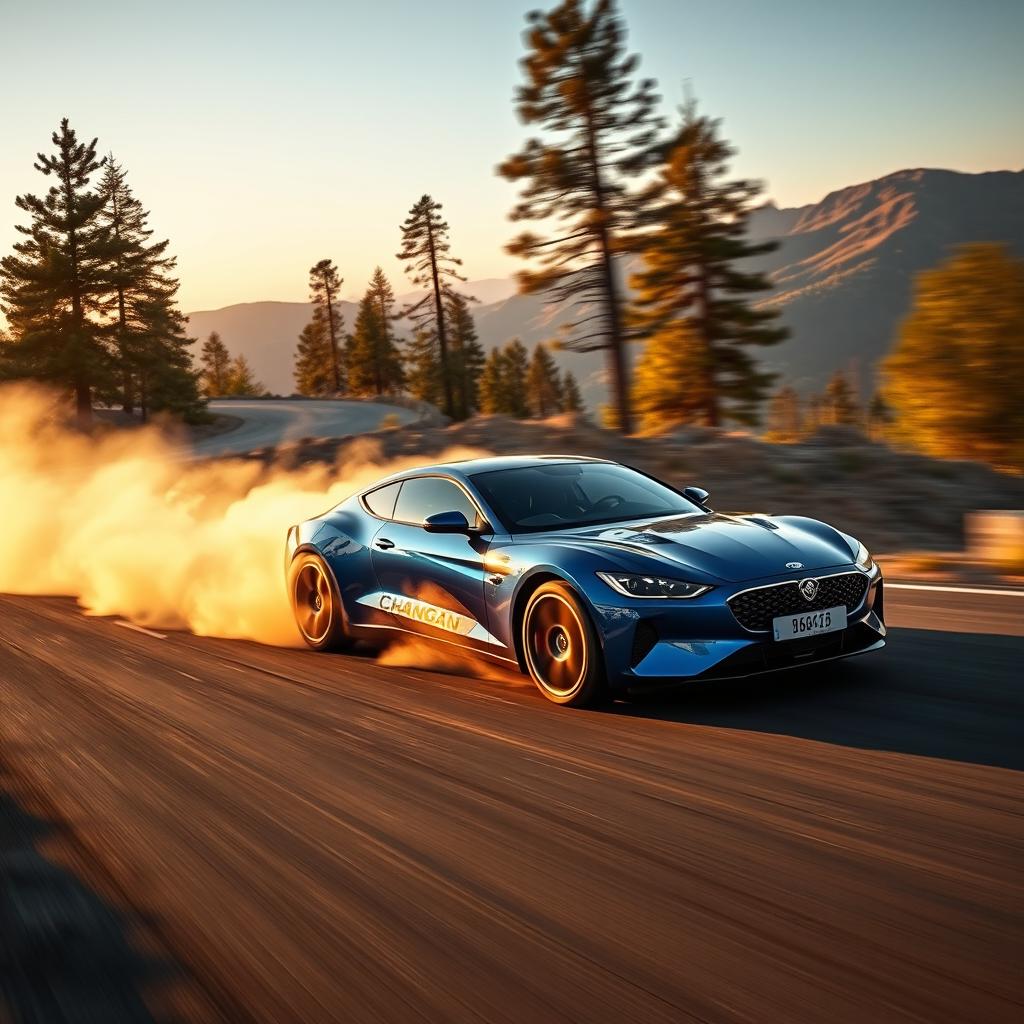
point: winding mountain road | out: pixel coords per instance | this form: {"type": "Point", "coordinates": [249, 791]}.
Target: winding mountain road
{"type": "Point", "coordinates": [267, 422]}
{"type": "Point", "coordinates": [316, 838]}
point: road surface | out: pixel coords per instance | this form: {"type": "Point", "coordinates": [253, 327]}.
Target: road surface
{"type": "Point", "coordinates": [314, 838]}
{"type": "Point", "coordinates": [269, 422]}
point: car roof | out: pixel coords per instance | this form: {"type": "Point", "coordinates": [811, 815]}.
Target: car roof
{"type": "Point", "coordinates": [462, 469]}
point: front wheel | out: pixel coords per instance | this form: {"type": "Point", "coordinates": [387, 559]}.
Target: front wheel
{"type": "Point", "coordinates": [560, 647]}
{"type": "Point", "coordinates": [317, 604]}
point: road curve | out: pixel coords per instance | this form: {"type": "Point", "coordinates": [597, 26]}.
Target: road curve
{"type": "Point", "coordinates": [268, 422]}
{"type": "Point", "coordinates": [326, 838]}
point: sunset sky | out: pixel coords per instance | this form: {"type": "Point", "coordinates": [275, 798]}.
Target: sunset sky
{"type": "Point", "coordinates": [265, 136]}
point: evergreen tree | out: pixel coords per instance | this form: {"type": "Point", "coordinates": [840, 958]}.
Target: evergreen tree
{"type": "Point", "coordinates": [543, 385]}
{"type": "Point", "coordinates": [215, 362]}
{"type": "Point", "coordinates": [692, 293]}
{"type": "Point", "coordinates": [879, 417]}
{"type": "Point", "coordinates": [955, 376]}
{"type": "Point", "coordinates": [241, 382]}
{"type": "Point", "coordinates": [572, 400]}
{"type": "Point", "coordinates": [423, 367]}
{"type": "Point", "coordinates": [785, 425]}
{"type": "Point", "coordinates": [313, 372]}
{"type": "Point", "coordinates": [324, 292]}
{"type": "Point", "coordinates": [430, 265]}
{"type": "Point", "coordinates": [492, 379]}
{"type": "Point", "coordinates": [600, 123]}
{"type": "Point", "coordinates": [466, 356]}
{"type": "Point", "coordinates": [373, 362]}
{"type": "Point", "coordinates": [54, 287]}
{"type": "Point", "coordinates": [163, 378]}
{"type": "Point", "coordinates": [839, 405]}
{"type": "Point", "coordinates": [670, 382]}
{"type": "Point", "coordinates": [503, 381]}
{"type": "Point", "coordinates": [148, 328]}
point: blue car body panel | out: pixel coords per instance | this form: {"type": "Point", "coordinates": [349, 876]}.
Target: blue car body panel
{"type": "Point", "coordinates": [469, 590]}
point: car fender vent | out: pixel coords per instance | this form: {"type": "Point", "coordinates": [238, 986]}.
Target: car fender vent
{"type": "Point", "coordinates": [645, 636]}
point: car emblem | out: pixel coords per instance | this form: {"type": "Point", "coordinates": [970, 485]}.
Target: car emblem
{"type": "Point", "coordinates": [794, 565]}
{"type": "Point", "coordinates": [809, 589]}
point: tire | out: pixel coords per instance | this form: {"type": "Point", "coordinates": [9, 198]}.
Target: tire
{"type": "Point", "coordinates": [560, 647]}
{"type": "Point", "coordinates": [316, 604]}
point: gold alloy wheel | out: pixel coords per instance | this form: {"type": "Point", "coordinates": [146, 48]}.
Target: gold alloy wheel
{"type": "Point", "coordinates": [556, 645]}
{"type": "Point", "coordinates": [314, 605]}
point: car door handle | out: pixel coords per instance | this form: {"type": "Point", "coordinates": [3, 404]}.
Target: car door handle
{"type": "Point", "coordinates": [384, 543]}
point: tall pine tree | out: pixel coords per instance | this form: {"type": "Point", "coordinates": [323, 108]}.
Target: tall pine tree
{"type": "Point", "coordinates": [325, 292]}
{"type": "Point", "coordinates": [54, 288]}
{"type": "Point", "coordinates": [600, 123]}
{"type": "Point", "coordinates": [241, 382]}
{"type": "Point", "coordinates": [430, 265]}
{"type": "Point", "coordinates": [148, 328]}
{"type": "Point", "coordinates": [691, 293]}
{"type": "Point", "coordinates": [503, 381]}
{"type": "Point", "coordinates": [466, 356]}
{"type": "Point", "coordinates": [572, 400]}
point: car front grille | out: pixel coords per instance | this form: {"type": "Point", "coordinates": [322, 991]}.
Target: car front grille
{"type": "Point", "coordinates": [755, 609]}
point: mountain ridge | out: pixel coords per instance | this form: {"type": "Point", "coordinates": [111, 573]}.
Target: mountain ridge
{"type": "Point", "coordinates": [843, 277]}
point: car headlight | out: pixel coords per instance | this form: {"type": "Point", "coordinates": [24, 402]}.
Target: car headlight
{"type": "Point", "coordinates": [639, 585]}
{"type": "Point", "coordinates": [864, 559]}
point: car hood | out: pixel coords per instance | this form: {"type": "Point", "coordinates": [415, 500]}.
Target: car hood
{"type": "Point", "coordinates": [728, 547]}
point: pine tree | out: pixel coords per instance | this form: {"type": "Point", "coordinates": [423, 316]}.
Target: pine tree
{"type": "Point", "coordinates": [423, 367]}
{"type": "Point", "coordinates": [491, 394]}
{"type": "Point", "coordinates": [839, 405]}
{"type": "Point", "coordinates": [670, 382]}
{"type": "Point", "coordinates": [543, 385]}
{"type": "Point", "coordinates": [373, 362]}
{"type": "Point", "coordinates": [54, 288]}
{"type": "Point", "coordinates": [324, 293]}
{"type": "Point", "coordinates": [955, 376]}
{"type": "Point", "coordinates": [466, 356]}
{"type": "Point", "coordinates": [241, 382]}
{"type": "Point", "coordinates": [313, 372]}
{"type": "Point", "coordinates": [600, 122]}
{"type": "Point", "coordinates": [785, 424]}
{"type": "Point", "coordinates": [691, 290]}
{"type": "Point", "coordinates": [148, 328]}
{"type": "Point", "coordinates": [430, 265]}
{"type": "Point", "coordinates": [879, 417]}
{"type": "Point", "coordinates": [163, 378]}
{"type": "Point", "coordinates": [215, 362]}
{"type": "Point", "coordinates": [572, 400]}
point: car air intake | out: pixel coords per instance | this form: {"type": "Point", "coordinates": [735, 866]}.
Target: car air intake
{"type": "Point", "coordinates": [755, 609]}
{"type": "Point", "coordinates": [645, 636]}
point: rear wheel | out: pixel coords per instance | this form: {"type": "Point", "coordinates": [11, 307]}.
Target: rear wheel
{"type": "Point", "coordinates": [560, 647]}
{"type": "Point", "coordinates": [317, 604]}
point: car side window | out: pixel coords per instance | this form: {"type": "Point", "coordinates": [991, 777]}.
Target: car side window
{"type": "Point", "coordinates": [425, 496]}
{"type": "Point", "coordinates": [381, 502]}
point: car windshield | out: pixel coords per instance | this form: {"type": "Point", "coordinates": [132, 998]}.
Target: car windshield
{"type": "Point", "coordinates": [566, 494]}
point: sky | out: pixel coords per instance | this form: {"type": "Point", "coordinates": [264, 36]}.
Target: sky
{"type": "Point", "coordinates": [265, 136]}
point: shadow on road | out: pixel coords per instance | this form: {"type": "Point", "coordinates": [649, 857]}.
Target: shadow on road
{"type": "Point", "coordinates": [65, 954]}
{"type": "Point", "coordinates": [956, 696]}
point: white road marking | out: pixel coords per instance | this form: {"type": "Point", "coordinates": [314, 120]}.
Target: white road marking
{"type": "Point", "coordinates": [955, 590]}
{"type": "Point", "coordinates": [140, 629]}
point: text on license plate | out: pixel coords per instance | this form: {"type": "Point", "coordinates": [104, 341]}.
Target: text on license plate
{"type": "Point", "coordinates": [828, 620]}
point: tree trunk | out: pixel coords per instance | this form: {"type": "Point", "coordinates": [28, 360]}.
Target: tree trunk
{"type": "Point", "coordinates": [83, 404]}
{"type": "Point", "coordinates": [442, 340]}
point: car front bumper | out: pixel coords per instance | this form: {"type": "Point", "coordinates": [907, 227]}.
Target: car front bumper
{"type": "Point", "coordinates": [648, 647]}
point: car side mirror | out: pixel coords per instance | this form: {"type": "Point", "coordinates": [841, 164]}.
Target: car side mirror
{"type": "Point", "coordinates": [446, 522]}
{"type": "Point", "coordinates": [697, 495]}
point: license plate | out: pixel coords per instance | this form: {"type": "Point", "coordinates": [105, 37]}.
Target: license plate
{"type": "Point", "coordinates": [828, 620]}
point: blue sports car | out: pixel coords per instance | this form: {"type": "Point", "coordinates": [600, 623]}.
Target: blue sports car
{"type": "Point", "coordinates": [594, 578]}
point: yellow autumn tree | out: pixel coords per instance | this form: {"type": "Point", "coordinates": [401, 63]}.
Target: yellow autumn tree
{"type": "Point", "coordinates": [670, 379]}
{"type": "Point", "coordinates": [955, 378]}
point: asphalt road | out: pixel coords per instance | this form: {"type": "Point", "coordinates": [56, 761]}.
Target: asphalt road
{"type": "Point", "coordinates": [268, 422]}
{"type": "Point", "coordinates": [312, 838]}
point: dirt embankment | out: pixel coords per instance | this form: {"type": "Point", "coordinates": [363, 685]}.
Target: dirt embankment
{"type": "Point", "coordinates": [892, 500]}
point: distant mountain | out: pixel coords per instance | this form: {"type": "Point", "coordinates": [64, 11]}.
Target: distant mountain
{"type": "Point", "coordinates": [843, 275]}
